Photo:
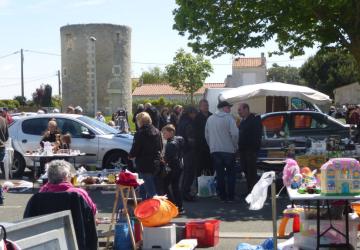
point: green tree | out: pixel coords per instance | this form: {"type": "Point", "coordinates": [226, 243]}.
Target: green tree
{"type": "Point", "coordinates": [46, 100]}
{"type": "Point", "coordinates": [188, 72]}
{"type": "Point", "coordinates": [153, 75]}
{"type": "Point", "coordinates": [328, 70]}
{"type": "Point", "coordinates": [134, 83]}
{"type": "Point", "coordinates": [21, 100]}
{"type": "Point", "coordinates": [56, 101]}
{"type": "Point", "coordinates": [216, 27]}
{"type": "Point", "coordinates": [285, 74]}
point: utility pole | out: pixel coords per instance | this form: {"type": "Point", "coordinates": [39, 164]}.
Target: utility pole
{"type": "Point", "coordinates": [59, 81]}
{"type": "Point", "coordinates": [22, 73]}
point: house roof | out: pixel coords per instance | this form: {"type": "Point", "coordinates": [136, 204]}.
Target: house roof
{"type": "Point", "coordinates": [247, 62]}
{"type": "Point", "coordinates": [163, 89]}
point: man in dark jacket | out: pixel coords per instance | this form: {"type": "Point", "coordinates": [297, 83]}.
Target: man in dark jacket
{"type": "Point", "coordinates": [186, 130]}
{"type": "Point", "coordinates": [203, 158]}
{"type": "Point", "coordinates": [140, 108]}
{"type": "Point", "coordinates": [250, 131]}
{"type": "Point", "coordinates": [154, 114]}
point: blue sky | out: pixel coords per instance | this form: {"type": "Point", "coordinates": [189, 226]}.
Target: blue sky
{"type": "Point", "coordinates": [35, 25]}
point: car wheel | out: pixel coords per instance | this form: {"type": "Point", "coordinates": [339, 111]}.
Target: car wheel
{"type": "Point", "coordinates": [116, 159]}
{"type": "Point", "coordinates": [18, 166]}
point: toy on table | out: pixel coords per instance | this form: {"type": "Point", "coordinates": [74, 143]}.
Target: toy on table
{"type": "Point", "coordinates": [290, 213]}
{"type": "Point", "coordinates": [340, 176]}
{"type": "Point", "coordinates": [290, 170]}
{"type": "Point", "coordinates": [309, 183]}
{"type": "Point", "coordinates": [296, 181]}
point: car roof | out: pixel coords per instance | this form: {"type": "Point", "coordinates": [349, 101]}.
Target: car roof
{"type": "Point", "coordinates": [292, 112]}
{"type": "Point", "coordinates": [50, 115]}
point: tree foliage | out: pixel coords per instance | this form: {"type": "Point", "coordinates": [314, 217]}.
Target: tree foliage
{"type": "Point", "coordinates": [216, 27]}
{"type": "Point", "coordinates": [42, 96]}
{"type": "Point", "coordinates": [153, 75]}
{"type": "Point", "coordinates": [188, 72]}
{"type": "Point", "coordinates": [21, 100]}
{"type": "Point", "coordinates": [285, 74]}
{"type": "Point", "coordinates": [328, 70]}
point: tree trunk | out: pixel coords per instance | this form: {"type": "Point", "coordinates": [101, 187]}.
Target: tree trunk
{"type": "Point", "coordinates": [355, 51]}
{"type": "Point", "coordinates": [192, 98]}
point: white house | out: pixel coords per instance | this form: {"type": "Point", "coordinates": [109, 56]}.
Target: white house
{"type": "Point", "coordinates": [247, 70]}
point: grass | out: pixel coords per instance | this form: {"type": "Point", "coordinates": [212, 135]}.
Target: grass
{"type": "Point", "coordinates": [131, 124]}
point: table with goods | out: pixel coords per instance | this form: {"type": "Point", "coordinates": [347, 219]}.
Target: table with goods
{"type": "Point", "coordinates": [324, 198]}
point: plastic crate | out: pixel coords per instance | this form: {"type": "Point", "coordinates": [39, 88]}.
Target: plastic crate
{"type": "Point", "coordinates": [205, 231]}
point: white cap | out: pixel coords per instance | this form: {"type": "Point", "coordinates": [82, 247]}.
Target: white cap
{"type": "Point", "coordinates": [56, 111]}
{"type": "Point", "coordinates": [78, 108]}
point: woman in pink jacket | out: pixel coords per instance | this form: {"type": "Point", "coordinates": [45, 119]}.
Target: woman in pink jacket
{"type": "Point", "coordinates": [59, 178]}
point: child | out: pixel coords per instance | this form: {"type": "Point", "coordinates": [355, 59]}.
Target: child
{"type": "Point", "coordinates": [65, 141]}
{"type": "Point", "coordinates": [173, 159]}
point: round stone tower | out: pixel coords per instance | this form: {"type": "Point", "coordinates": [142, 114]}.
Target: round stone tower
{"type": "Point", "coordinates": [96, 63]}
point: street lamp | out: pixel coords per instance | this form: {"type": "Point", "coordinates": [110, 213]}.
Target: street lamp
{"type": "Point", "coordinates": [93, 40]}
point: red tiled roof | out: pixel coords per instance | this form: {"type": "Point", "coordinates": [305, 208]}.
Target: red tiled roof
{"type": "Point", "coordinates": [163, 89]}
{"type": "Point", "coordinates": [247, 62]}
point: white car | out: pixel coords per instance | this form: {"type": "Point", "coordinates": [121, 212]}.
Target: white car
{"type": "Point", "coordinates": [103, 145]}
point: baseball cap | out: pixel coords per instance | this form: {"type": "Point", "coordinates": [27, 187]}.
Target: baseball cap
{"type": "Point", "coordinates": [222, 104]}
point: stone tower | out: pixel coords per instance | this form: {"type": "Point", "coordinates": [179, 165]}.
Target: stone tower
{"type": "Point", "coordinates": [96, 65]}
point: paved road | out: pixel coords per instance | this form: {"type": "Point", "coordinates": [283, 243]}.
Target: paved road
{"type": "Point", "coordinates": [238, 224]}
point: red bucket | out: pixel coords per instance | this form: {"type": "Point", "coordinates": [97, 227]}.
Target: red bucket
{"type": "Point", "coordinates": [205, 231]}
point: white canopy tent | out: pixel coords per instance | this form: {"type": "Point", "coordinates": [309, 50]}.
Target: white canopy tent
{"type": "Point", "coordinates": [247, 92]}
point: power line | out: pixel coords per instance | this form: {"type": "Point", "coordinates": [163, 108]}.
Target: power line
{"type": "Point", "coordinates": [41, 52]}
{"type": "Point", "coordinates": [7, 55]}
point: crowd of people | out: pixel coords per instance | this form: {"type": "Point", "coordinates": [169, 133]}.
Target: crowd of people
{"type": "Point", "coordinates": [171, 149]}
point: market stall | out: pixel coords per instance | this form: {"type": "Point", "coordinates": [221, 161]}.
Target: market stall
{"type": "Point", "coordinates": [321, 201]}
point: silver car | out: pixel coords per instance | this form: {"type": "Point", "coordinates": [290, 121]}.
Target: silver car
{"type": "Point", "coordinates": [103, 145]}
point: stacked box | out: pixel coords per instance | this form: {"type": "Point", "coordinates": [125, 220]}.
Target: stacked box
{"type": "Point", "coordinates": [159, 237]}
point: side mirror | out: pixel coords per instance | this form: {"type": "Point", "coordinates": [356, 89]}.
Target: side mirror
{"type": "Point", "coordinates": [87, 135]}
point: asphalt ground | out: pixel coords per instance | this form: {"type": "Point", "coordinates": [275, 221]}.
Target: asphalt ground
{"type": "Point", "coordinates": [238, 223]}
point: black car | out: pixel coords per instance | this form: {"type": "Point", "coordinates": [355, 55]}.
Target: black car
{"type": "Point", "coordinates": [298, 128]}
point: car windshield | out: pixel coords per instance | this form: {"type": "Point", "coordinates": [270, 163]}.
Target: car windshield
{"type": "Point", "coordinates": [100, 126]}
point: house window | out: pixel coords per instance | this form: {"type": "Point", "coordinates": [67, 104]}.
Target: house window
{"type": "Point", "coordinates": [331, 185]}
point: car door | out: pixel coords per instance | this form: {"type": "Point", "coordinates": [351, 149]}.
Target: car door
{"type": "Point", "coordinates": [313, 125]}
{"type": "Point", "coordinates": [89, 146]}
{"type": "Point", "coordinates": [31, 132]}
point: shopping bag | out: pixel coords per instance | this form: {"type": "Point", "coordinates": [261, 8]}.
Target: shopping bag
{"type": "Point", "coordinates": [258, 194]}
{"type": "Point", "coordinates": [206, 186]}
{"type": "Point", "coordinates": [122, 237]}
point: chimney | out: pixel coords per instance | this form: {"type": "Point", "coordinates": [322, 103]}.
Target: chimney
{"type": "Point", "coordinates": [263, 59]}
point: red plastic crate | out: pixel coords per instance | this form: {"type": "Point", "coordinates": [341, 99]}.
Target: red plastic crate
{"type": "Point", "coordinates": [205, 231]}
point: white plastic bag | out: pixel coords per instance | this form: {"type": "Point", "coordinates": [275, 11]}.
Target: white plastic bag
{"type": "Point", "coordinates": [258, 194]}
{"type": "Point", "coordinates": [206, 186]}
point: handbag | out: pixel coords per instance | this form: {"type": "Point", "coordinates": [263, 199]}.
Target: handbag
{"type": "Point", "coordinates": [161, 168]}
{"type": "Point", "coordinates": [5, 243]}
